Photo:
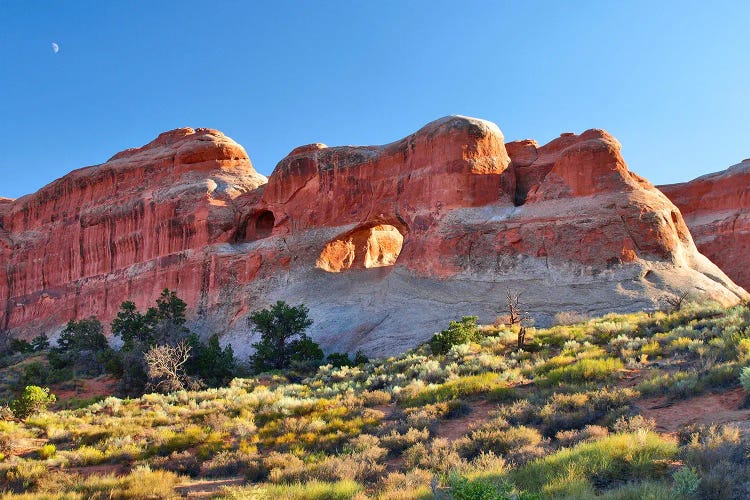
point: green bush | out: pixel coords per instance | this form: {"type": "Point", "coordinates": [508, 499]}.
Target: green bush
{"type": "Point", "coordinates": [282, 338]}
{"type": "Point", "coordinates": [40, 343]}
{"type": "Point", "coordinates": [212, 364]}
{"type": "Point", "coordinates": [745, 378]}
{"type": "Point", "coordinates": [20, 345]}
{"type": "Point", "coordinates": [33, 399]}
{"type": "Point", "coordinates": [457, 333]}
{"type": "Point", "coordinates": [339, 359]}
{"type": "Point", "coordinates": [479, 489]}
{"type": "Point", "coordinates": [686, 482]}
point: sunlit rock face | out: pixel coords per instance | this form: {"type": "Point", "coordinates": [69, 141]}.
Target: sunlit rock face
{"type": "Point", "coordinates": [384, 244]}
{"type": "Point", "coordinates": [716, 208]}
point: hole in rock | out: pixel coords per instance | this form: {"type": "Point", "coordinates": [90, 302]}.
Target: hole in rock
{"type": "Point", "coordinates": [256, 226]}
{"type": "Point", "coordinates": [362, 248]}
{"type": "Point", "coordinates": [264, 224]}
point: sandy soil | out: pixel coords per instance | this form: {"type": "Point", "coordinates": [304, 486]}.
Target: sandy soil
{"type": "Point", "coordinates": [713, 408]}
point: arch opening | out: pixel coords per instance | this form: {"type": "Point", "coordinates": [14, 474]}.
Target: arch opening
{"type": "Point", "coordinates": [264, 223]}
{"type": "Point", "coordinates": [363, 248]}
{"type": "Point", "coordinates": [255, 226]}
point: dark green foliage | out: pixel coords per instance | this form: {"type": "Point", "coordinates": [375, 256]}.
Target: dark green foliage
{"type": "Point", "coordinates": [40, 343]}
{"type": "Point", "coordinates": [38, 373]}
{"type": "Point", "coordinates": [282, 337]}
{"type": "Point", "coordinates": [79, 348]}
{"type": "Point", "coordinates": [134, 371]}
{"type": "Point", "coordinates": [159, 325]}
{"type": "Point", "coordinates": [132, 326]}
{"type": "Point", "coordinates": [457, 333]}
{"type": "Point", "coordinates": [20, 345]}
{"type": "Point", "coordinates": [480, 489]}
{"type": "Point", "coordinates": [85, 334]}
{"type": "Point", "coordinates": [339, 359]}
{"type": "Point", "coordinates": [307, 354]}
{"type": "Point", "coordinates": [360, 358]}
{"type": "Point", "coordinates": [214, 365]}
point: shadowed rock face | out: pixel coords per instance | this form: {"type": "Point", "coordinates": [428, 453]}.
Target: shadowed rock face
{"type": "Point", "coordinates": [384, 244]}
{"type": "Point", "coordinates": [716, 208]}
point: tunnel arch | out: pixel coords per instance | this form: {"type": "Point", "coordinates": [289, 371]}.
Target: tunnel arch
{"type": "Point", "coordinates": [364, 247]}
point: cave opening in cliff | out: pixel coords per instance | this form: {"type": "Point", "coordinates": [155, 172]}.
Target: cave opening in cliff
{"type": "Point", "coordinates": [363, 248]}
{"type": "Point", "coordinates": [256, 226]}
{"type": "Point", "coordinates": [264, 224]}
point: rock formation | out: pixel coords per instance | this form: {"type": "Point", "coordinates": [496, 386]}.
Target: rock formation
{"type": "Point", "coordinates": [384, 244]}
{"type": "Point", "coordinates": [716, 208]}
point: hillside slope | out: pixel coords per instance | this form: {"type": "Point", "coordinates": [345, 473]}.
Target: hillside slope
{"type": "Point", "coordinates": [619, 406]}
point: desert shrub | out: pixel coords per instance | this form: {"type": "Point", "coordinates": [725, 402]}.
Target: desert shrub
{"type": "Point", "coordinates": [745, 378]}
{"type": "Point", "coordinates": [312, 490]}
{"type": "Point", "coordinates": [86, 455]}
{"type": "Point", "coordinates": [414, 484]}
{"type": "Point", "coordinates": [23, 475]}
{"type": "Point", "coordinates": [686, 482]}
{"type": "Point", "coordinates": [743, 350]}
{"type": "Point", "coordinates": [719, 456]}
{"type": "Point", "coordinates": [519, 412]}
{"type": "Point", "coordinates": [601, 463]}
{"type": "Point", "coordinates": [227, 463]}
{"type": "Point", "coordinates": [634, 423]}
{"type": "Point", "coordinates": [375, 398]}
{"type": "Point", "coordinates": [457, 333]}
{"type": "Point", "coordinates": [396, 441]}
{"type": "Point", "coordinates": [438, 456]}
{"type": "Point", "coordinates": [47, 451]}
{"type": "Point", "coordinates": [142, 482]}
{"type": "Point", "coordinates": [517, 444]}
{"type": "Point", "coordinates": [487, 461]}
{"type": "Point", "coordinates": [575, 436]}
{"type": "Point", "coordinates": [709, 445]}
{"type": "Point", "coordinates": [490, 384]}
{"type": "Point", "coordinates": [361, 462]}
{"type": "Point", "coordinates": [584, 370]}
{"type": "Point", "coordinates": [33, 399]}
{"type": "Point", "coordinates": [462, 488]}
{"type": "Point", "coordinates": [575, 410]}
{"type": "Point", "coordinates": [183, 463]}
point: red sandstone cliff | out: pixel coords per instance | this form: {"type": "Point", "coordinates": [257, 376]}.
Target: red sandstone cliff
{"type": "Point", "coordinates": [716, 208]}
{"type": "Point", "coordinates": [121, 230]}
{"type": "Point", "coordinates": [430, 227]}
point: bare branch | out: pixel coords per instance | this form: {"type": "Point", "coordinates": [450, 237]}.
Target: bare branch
{"type": "Point", "coordinates": [166, 366]}
{"type": "Point", "coordinates": [674, 302]}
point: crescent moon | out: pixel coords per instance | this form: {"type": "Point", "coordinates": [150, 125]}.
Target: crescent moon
{"type": "Point", "coordinates": [55, 48]}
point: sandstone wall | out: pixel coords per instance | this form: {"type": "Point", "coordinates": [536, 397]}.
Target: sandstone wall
{"type": "Point", "coordinates": [384, 244]}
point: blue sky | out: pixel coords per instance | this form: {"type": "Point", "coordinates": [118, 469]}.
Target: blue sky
{"type": "Point", "coordinates": [668, 79]}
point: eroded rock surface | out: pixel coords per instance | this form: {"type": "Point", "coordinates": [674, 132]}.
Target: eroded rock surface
{"type": "Point", "coordinates": [384, 244]}
{"type": "Point", "coordinates": [716, 208]}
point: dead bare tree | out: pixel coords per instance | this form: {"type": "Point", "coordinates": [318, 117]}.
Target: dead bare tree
{"type": "Point", "coordinates": [166, 367]}
{"type": "Point", "coordinates": [674, 302]}
{"type": "Point", "coordinates": [516, 316]}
